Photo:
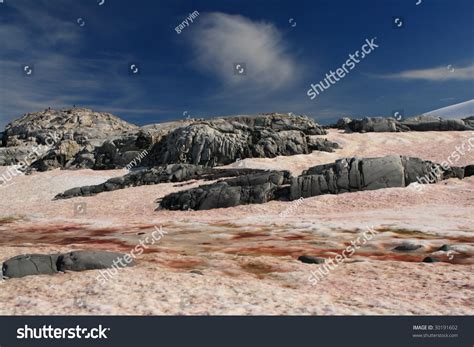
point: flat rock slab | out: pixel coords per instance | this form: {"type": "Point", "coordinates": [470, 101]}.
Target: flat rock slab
{"type": "Point", "coordinates": [46, 264]}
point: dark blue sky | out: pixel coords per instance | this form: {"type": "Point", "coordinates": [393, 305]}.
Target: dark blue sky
{"type": "Point", "coordinates": [81, 53]}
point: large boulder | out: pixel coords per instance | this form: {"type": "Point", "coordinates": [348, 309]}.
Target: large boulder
{"type": "Point", "coordinates": [30, 264]}
{"type": "Point", "coordinates": [355, 174]}
{"type": "Point", "coordinates": [46, 264]}
{"type": "Point", "coordinates": [375, 124]}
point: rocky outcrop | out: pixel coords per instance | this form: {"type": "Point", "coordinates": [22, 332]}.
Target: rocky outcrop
{"type": "Point", "coordinates": [77, 124]}
{"type": "Point", "coordinates": [222, 141]}
{"type": "Point", "coordinates": [46, 264]}
{"type": "Point", "coordinates": [420, 123]}
{"type": "Point", "coordinates": [434, 123]}
{"type": "Point", "coordinates": [354, 174]}
{"type": "Point", "coordinates": [165, 174]}
{"type": "Point", "coordinates": [80, 138]}
{"type": "Point", "coordinates": [376, 124]}
{"type": "Point", "coordinates": [249, 189]}
{"type": "Point", "coordinates": [344, 175]}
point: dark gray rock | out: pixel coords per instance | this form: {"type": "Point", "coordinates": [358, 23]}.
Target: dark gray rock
{"type": "Point", "coordinates": [91, 260]}
{"type": "Point", "coordinates": [248, 189]}
{"type": "Point", "coordinates": [46, 264]}
{"type": "Point", "coordinates": [430, 260]}
{"type": "Point", "coordinates": [344, 175]}
{"type": "Point", "coordinates": [469, 171]}
{"type": "Point", "coordinates": [419, 123]}
{"type": "Point", "coordinates": [222, 141]}
{"type": "Point", "coordinates": [307, 259]}
{"type": "Point", "coordinates": [373, 124]}
{"type": "Point", "coordinates": [407, 247]}
{"type": "Point", "coordinates": [165, 174]}
{"type": "Point", "coordinates": [435, 123]}
{"type": "Point", "coordinates": [322, 145]}
{"type": "Point", "coordinates": [355, 174]}
{"type": "Point", "coordinates": [30, 264]}
{"type": "Point", "coordinates": [445, 248]}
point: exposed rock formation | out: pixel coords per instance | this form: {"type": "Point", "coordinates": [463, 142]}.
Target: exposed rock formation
{"type": "Point", "coordinates": [434, 123]}
{"type": "Point", "coordinates": [354, 174]}
{"type": "Point", "coordinates": [249, 189]}
{"type": "Point", "coordinates": [76, 124]}
{"type": "Point", "coordinates": [344, 175]}
{"type": "Point", "coordinates": [45, 264]}
{"type": "Point", "coordinates": [222, 141]}
{"type": "Point", "coordinates": [419, 123]}
{"type": "Point", "coordinates": [169, 173]}
{"type": "Point", "coordinates": [81, 138]}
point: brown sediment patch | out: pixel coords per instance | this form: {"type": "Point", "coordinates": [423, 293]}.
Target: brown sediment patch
{"type": "Point", "coordinates": [249, 234]}
{"type": "Point", "coordinates": [9, 219]}
{"type": "Point", "coordinates": [259, 269]}
{"type": "Point", "coordinates": [295, 237]}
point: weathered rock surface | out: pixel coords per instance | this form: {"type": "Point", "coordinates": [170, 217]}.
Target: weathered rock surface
{"type": "Point", "coordinates": [344, 175]}
{"type": "Point", "coordinates": [222, 141]}
{"type": "Point", "coordinates": [80, 138]}
{"type": "Point", "coordinates": [46, 264]}
{"type": "Point", "coordinates": [419, 123]}
{"type": "Point", "coordinates": [91, 260]}
{"type": "Point", "coordinates": [30, 264]}
{"type": "Point", "coordinates": [307, 259]}
{"type": "Point", "coordinates": [376, 124]}
{"type": "Point", "coordinates": [434, 123]}
{"type": "Point", "coordinates": [164, 174]}
{"type": "Point", "coordinates": [354, 174]}
{"type": "Point", "coordinates": [249, 189]}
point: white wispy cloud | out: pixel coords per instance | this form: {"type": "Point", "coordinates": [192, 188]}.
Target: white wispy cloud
{"type": "Point", "coordinates": [441, 73]}
{"type": "Point", "coordinates": [220, 40]}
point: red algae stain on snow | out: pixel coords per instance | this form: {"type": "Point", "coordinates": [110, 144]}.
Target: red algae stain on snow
{"type": "Point", "coordinates": [246, 235]}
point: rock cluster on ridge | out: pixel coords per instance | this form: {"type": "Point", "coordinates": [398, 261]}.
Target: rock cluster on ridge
{"type": "Point", "coordinates": [87, 139]}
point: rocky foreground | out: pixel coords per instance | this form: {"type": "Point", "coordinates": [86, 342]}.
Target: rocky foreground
{"type": "Point", "coordinates": [252, 258]}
